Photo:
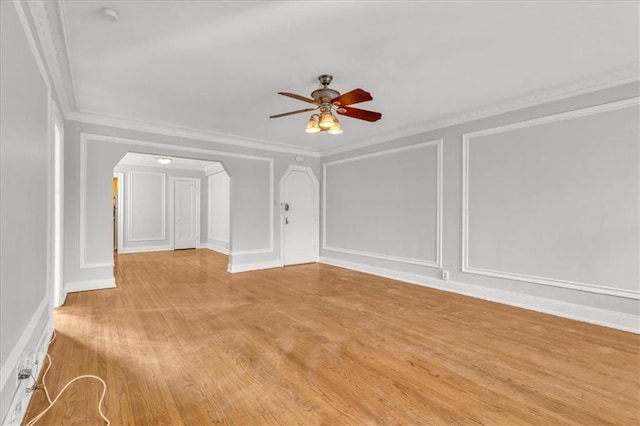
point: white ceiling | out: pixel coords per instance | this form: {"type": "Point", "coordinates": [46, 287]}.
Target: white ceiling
{"type": "Point", "coordinates": [216, 66]}
{"type": "Point", "coordinates": [177, 163]}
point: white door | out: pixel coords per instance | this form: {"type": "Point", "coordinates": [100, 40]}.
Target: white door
{"type": "Point", "coordinates": [300, 217]}
{"type": "Point", "coordinates": [186, 217]}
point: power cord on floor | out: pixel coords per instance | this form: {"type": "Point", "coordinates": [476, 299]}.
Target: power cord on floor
{"type": "Point", "coordinates": [51, 403]}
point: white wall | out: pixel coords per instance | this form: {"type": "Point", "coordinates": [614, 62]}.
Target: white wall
{"type": "Point", "coordinates": [25, 157]}
{"type": "Point", "coordinates": [391, 211]}
{"type": "Point", "coordinates": [218, 211]}
{"type": "Point", "coordinates": [543, 213]}
{"type": "Point", "coordinates": [146, 209]}
{"type": "Point", "coordinates": [92, 152]}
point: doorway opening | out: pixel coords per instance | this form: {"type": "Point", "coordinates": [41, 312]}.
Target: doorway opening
{"type": "Point", "coordinates": [166, 206]}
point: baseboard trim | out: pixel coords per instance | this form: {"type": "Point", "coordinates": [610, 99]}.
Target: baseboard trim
{"type": "Point", "coordinates": [147, 249]}
{"type": "Point", "coordinates": [573, 311]}
{"type": "Point", "coordinates": [40, 326]}
{"type": "Point", "coordinates": [101, 284]}
{"type": "Point", "coordinates": [253, 266]}
{"type": "Point", "coordinates": [215, 248]}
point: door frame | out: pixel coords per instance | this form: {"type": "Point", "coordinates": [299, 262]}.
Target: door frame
{"type": "Point", "coordinates": [120, 177]}
{"type": "Point", "coordinates": [308, 170]}
{"type": "Point", "coordinates": [172, 208]}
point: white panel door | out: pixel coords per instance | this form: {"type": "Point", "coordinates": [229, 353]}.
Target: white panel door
{"type": "Point", "coordinates": [186, 205]}
{"type": "Point", "coordinates": [300, 218]}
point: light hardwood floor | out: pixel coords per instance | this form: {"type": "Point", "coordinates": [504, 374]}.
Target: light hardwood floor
{"type": "Point", "coordinates": [180, 341]}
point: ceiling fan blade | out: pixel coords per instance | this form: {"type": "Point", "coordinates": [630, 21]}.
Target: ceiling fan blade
{"type": "Point", "coordinates": [284, 114]}
{"type": "Point", "coordinates": [353, 97]}
{"type": "Point", "coordinates": [298, 97]}
{"type": "Point", "coordinates": [361, 114]}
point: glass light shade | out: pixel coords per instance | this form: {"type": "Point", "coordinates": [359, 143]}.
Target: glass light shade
{"type": "Point", "coordinates": [163, 160]}
{"type": "Point", "coordinates": [336, 129]}
{"type": "Point", "coordinates": [312, 126]}
{"type": "Point", "coordinates": [326, 121]}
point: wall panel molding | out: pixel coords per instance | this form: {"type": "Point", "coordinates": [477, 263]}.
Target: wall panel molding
{"type": "Point", "coordinates": [131, 206]}
{"type": "Point", "coordinates": [84, 137]}
{"type": "Point", "coordinates": [434, 263]}
{"type": "Point", "coordinates": [468, 138]}
{"type": "Point", "coordinates": [573, 311]}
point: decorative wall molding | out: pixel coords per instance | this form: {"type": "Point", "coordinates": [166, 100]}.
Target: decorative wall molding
{"type": "Point", "coordinates": [626, 74]}
{"type": "Point", "coordinates": [130, 206]}
{"type": "Point", "coordinates": [185, 132]}
{"type": "Point", "coordinates": [50, 27]}
{"type": "Point", "coordinates": [84, 137]}
{"type": "Point", "coordinates": [210, 205]}
{"type": "Point", "coordinates": [172, 209]}
{"type": "Point", "coordinates": [436, 263]}
{"type": "Point", "coordinates": [466, 138]}
{"type": "Point", "coordinates": [577, 312]}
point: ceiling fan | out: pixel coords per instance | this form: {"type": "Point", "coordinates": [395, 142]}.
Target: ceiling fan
{"type": "Point", "coordinates": [328, 101]}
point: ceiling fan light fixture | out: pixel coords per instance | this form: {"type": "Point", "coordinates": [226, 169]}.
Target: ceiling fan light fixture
{"type": "Point", "coordinates": [326, 121]}
{"type": "Point", "coordinates": [336, 129]}
{"type": "Point", "coordinates": [164, 160]}
{"type": "Point", "coordinates": [312, 125]}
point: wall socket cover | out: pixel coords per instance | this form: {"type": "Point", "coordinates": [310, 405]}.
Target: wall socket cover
{"type": "Point", "coordinates": [445, 275]}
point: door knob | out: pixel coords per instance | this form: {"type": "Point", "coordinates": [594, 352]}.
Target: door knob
{"type": "Point", "coordinates": [286, 220]}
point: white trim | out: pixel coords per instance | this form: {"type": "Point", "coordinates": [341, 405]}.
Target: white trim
{"type": "Point", "coordinates": [163, 235]}
{"type": "Point", "coordinates": [437, 263]}
{"type": "Point", "coordinates": [216, 248]}
{"type": "Point", "coordinates": [628, 73]}
{"type": "Point", "coordinates": [47, 25]}
{"type": "Point", "coordinates": [172, 208]}
{"type": "Point", "coordinates": [214, 169]}
{"type": "Point", "coordinates": [166, 147]}
{"type": "Point", "coordinates": [572, 311]}
{"type": "Point", "coordinates": [31, 40]}
{"type": "Point", "coordinates": [316, 242]}
{"type": "Point", "coordinates": [210, 235]}
{"type": "Point", "coordinates": [186, 132]}
{"type": "Point", "coordinates": [400, 259]}
{"type": "Point", "coordinates": [21, 397]}
{"type": "Point", "coordinates": [89, 285]}
{"type": "Point", "coordinates": [121, 183]}
{"type": "Point", "coordinates": [466, 138]}
{"type": "Point", "coordinates": [245, 267]}
{"type": "Point", "coordinates": [9, 365]}
{"type": "Point", "coordinates": [58, 211]}
{"type": "Point", "coordinates": [145, 249]}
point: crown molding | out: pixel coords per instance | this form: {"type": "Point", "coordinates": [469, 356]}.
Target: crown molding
{"type": "Point", "coordinates": [185, 132]}
{"type": "Point", "coordinates": [49, 26]}
{"type": "Point", "coordinates": [626, 74]}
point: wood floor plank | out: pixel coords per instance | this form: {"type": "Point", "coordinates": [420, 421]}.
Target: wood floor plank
{"type": "Point", "coordinates": [181, 341]}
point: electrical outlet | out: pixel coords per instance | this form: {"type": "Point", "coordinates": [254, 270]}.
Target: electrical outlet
{"type": "Point", "coordinates": [445, 275]}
